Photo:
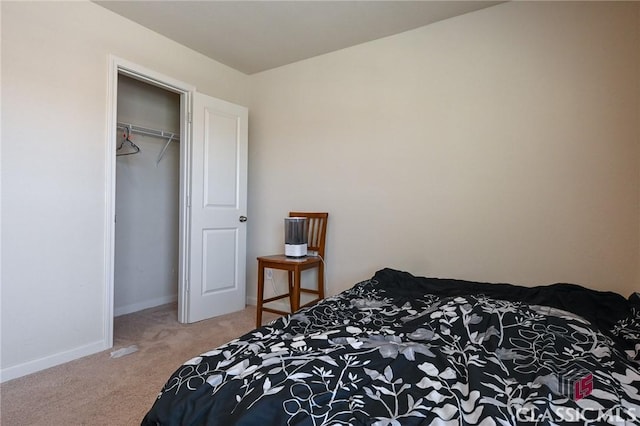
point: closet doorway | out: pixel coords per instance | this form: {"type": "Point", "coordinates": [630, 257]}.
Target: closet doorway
{"type": "Point", "coordinates": [147, 197]}
{"type": "Point", "coordinates": [212, 198]}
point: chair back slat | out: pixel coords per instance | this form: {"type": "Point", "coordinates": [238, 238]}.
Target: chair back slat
{"type": "Point", "coordinates": [316, 228]}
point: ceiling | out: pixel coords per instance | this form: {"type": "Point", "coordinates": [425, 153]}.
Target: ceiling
{"type": "Point", "coordinates": [253, 36]}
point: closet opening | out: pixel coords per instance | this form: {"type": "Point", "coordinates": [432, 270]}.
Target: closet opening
{"type": "Point", "coordinates": [147, 203]}
{"type": "Point", "coordinates": [176, 199]}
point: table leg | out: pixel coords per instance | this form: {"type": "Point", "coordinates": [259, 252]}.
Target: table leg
{"type": "Point", "coordinates": [295, 299]}
{"type": "Point", "coordinates": [291, 284]}
{"type": "Point", "coordinates": [321, 281]}
{"type": "Point", "coordinates": [260, 294]}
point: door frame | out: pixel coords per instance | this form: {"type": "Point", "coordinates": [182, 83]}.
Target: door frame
{"type": "Point", "coordinates": [186, 91]}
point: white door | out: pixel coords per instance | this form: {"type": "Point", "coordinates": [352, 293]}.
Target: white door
{"type": "Point", "coordinates": [217, 209]}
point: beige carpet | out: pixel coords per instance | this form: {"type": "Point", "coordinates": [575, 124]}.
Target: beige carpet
{"type": "Point", "coordinates": [100, 390]}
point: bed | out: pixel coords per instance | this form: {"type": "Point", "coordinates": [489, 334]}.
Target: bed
{"type": "Point", "coordinates": [398, 349]}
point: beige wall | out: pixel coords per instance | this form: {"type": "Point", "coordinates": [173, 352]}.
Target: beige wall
{"type": "Point", "coordinates": [54, 120]}
{"type": "Point", "coordinates": [502, 145]}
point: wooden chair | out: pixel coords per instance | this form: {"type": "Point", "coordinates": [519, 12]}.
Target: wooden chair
{"type": "Point", "coordinates": [317, 230]}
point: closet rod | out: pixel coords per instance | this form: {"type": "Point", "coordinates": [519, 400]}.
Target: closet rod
{"type": "Point", "coordinates": [149, 132]}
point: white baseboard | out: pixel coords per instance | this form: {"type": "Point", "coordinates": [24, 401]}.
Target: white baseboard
{"type": "Point", "coordinates": [135, 307]}
{"type": "Point", "coordinates": [50, 361]}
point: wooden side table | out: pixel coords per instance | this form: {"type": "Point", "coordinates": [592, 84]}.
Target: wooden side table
{"type": "Point", "coordinates": [294, 267]}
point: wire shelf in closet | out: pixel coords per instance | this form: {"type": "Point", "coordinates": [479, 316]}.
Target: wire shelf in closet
{"type": "Point", "coordinates": [140, 130]}
{"type": "Point", "coordinates": [148, 131]}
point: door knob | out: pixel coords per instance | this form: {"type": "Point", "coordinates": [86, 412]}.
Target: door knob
{"type": "Point", "coordinates": [243, 218]}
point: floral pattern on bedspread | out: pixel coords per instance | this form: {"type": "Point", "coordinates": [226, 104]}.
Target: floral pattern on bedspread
{"type": "Point", "coordinates": [629, 330]}
{"type": "Point", "coordinates": [370, 356]}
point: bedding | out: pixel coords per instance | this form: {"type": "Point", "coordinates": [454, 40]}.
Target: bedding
{"type": "Point", "coordinates": [404, 350]}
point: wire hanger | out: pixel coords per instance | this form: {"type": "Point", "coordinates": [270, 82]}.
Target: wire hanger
{"type": "Point", "coordinates": [126, 138]}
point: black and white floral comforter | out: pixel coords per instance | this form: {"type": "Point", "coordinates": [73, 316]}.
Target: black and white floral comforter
{"type": "Point", "coordinates": [403, 350]}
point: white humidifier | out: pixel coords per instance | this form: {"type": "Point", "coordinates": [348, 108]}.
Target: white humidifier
{"type": "Point", "coordinates": [295, 236]}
